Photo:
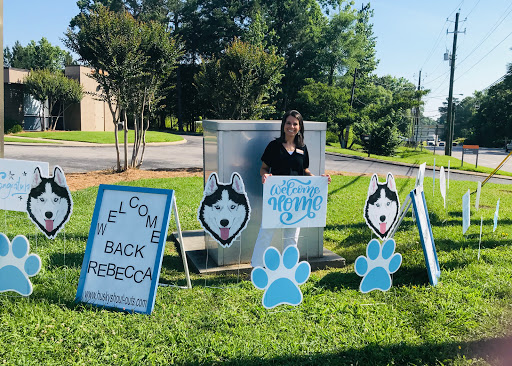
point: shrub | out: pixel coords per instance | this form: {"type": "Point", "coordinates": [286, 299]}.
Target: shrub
{"type": "Point", "coordinates": [384, 136]}
{"type": "Point", "coordinates": [331, 137]}
{"type": "Point", "coordinates": [12, 126]}
{"type": "Point", "coordinates": [15, 129]}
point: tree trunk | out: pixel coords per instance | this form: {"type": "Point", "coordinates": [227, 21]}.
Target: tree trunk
{"type": "Point", "coordinates": [135, 149]}
{"type": "Point", "coordinates": [144, 139]}
{"type": "Point", "coordinates": [116, 136]}
{"type": "Point", "coordinates": [125, 129]}
{"type": "Point", "coordinates": [179, 101]}
{"type": "Point", "coordinates": [347, 133]}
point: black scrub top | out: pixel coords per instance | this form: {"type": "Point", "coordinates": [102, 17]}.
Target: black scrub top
{"type": "Point", "coordinates": [282, 163]}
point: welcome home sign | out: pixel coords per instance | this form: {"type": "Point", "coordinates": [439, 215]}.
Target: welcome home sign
{"type": "Point", "coordinates": [125, 248]}
{"type": "Point", "coordinates": [294, 201]}
{"type": "Point", "coordinates": [16, 181]}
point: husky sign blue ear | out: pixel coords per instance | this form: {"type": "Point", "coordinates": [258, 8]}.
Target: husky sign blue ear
{"type": "Point", "coordinates": [382, 206]}
{"type": "Point", "coordinates": [224, 211]}
{"type": "Point", "coordinates": [49, 202]}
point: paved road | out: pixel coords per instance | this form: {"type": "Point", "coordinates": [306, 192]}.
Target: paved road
{"type": "Point", "coordinates": [75, 159]}
{"type": "Point", "coordinates": [188, 155]}
{"type": "Point", "coordinates": [489, 157]}
{"type": "Point", "coordinates": [355, 165]}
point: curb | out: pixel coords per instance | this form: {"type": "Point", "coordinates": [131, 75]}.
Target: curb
{"type": "Point", "coordinates": [26, 141]}
{"type": "Point", "coordinates": [417, 166]}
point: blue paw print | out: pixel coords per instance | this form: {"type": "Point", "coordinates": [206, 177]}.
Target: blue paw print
{"type": "Point", "coordinates": [377, 266]}
{"type": "Point", "coordinates": [281, 277]}
{"type": "Point", "coordinates": [16, 266]}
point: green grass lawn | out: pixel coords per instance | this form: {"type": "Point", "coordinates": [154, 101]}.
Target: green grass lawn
{"type": "Point", "coordinates": [100, 137]}
{"type": "Point", "coordinates": [412, 324]}
{"type": "Point", "coordinates": [412, 156]}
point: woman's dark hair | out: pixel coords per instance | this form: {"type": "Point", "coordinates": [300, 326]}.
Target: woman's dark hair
{"type": "Point", "coordinates": [299, 137]}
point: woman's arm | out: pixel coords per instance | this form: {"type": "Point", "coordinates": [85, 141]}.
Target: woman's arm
{"type": "Point", "coordinates": [307, 172]}
{"type": "Point", "coordinates": [264, 172]}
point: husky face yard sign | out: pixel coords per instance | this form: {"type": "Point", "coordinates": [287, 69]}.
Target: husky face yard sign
{"type": "Point", "coordinates": [382, 205]}
{"type": "Point", "coordinates": [49, 203]}
{"type": "Point", "coordinates": [224, 210]}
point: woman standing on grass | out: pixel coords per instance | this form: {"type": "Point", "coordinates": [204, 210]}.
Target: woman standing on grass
{"type": "Point", "coordinates": [286, 155]}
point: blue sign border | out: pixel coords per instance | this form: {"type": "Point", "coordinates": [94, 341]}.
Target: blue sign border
{"type": "Point", "coordinates": [161, 243]}
{"type": "Point", "coordinates": [433, 277]}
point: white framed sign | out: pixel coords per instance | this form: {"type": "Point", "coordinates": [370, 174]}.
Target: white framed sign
{"type": "Point", "coordinates": [16, 182]}
{"type": "Point", "coordinates": [421, 175]}
{"type": "Point", "coordinates": [294, 201]}
{"type": "Point", "coordinates": [496, 215]}
{"type": "Point", "coordinates": [426, 236]}
{"type": "Point", "coordinates": [124, 252]}
{"type": "Point", "coordinates": [466, 212]}
{"type": "Point", "coordinates": [442, 185]}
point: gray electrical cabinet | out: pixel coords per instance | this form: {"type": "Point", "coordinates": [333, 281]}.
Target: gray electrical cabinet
{"type": "Point", "coordinates": [236, 146]}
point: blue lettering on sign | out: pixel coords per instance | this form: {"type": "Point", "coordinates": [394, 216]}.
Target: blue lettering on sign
{"type": "Point", "coordinates": [297, 200]}
{"type": "Point", "coordinates": [6, 189]}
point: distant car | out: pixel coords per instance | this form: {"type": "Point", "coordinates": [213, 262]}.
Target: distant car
{"type": "Point", "coordinates": [430, 143]}
{"type": "Point", "coordinates": [508, 147]}
{"type": "Point", "coordinates": [441, 143]}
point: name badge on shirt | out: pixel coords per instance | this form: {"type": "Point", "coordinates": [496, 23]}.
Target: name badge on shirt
{"type": "Point", "coordinates": [299, 151]}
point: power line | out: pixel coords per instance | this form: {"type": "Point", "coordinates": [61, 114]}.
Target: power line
{"type": "Point", "coordinates": [473, 8]}
{"type": "Point", "coordinates": [487, 54]}
{"type": "Point", "coordinates": [491, 31]}
{"type": "Point", "coordinates": [435, 44]}
{"type": "Point", "coordinates": [496, 82]}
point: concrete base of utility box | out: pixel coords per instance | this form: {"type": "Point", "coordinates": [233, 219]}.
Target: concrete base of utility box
{"type": "Point", "coordinates": [193, 242]}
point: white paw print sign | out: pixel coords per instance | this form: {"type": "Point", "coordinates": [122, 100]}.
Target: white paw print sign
{"type": "Point", "coordinates": [281, 277]}
{"type": "Point", "coordinates": [377, 266]}
{"type": "Point", "coordinates": [17, 265]}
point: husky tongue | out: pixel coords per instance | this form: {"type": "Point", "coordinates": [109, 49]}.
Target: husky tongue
{"type": "Point", "coordinates": [224, 233]}
{"type": "Point", "coordinates": [49, 225]}
{"type": "Point", "coordinates": [382, 227]}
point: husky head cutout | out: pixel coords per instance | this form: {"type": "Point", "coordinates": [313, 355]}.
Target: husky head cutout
{"type": "Point", "coordinates": [382, 206]}
{"type": "Point", "coordinates": [224, 211]}
{"type": "Point", "coordinates": [49, 202]}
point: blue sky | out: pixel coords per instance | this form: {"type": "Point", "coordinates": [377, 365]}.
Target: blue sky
{"type": "Point", "coordinates": [411, 35]}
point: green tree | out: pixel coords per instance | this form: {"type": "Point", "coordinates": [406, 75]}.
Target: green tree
{"type": "Point", "coordinates": [379, 137]}
{"type": "Point", "coordinates": [492, 121]}
{"type": "Point", "coordinates": [55, 88]}
{"type": "Point", "coordinates": [295, 28]}
{"type": "Point", "coordinates": [383, 112]}
{"type": "Point", "coordinates": [241, 83]}
{"type": "Point", "coordinates": [131, 60]}
{"type": "Point", "coordinates": [322, 102]}
{"type": "Point", "coordinates": [37, 56]}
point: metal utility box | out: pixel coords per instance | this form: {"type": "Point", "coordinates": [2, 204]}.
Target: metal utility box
{"type": "Point", "coordinates": [236, 146]}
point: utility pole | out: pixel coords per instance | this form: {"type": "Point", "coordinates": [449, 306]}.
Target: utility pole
{"type": "Point", "coordinates": [345, 140]}
{"type": "Point", "coordinates": [418, 112]}
{"type": "Point", "coordinates": [449, 117]}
